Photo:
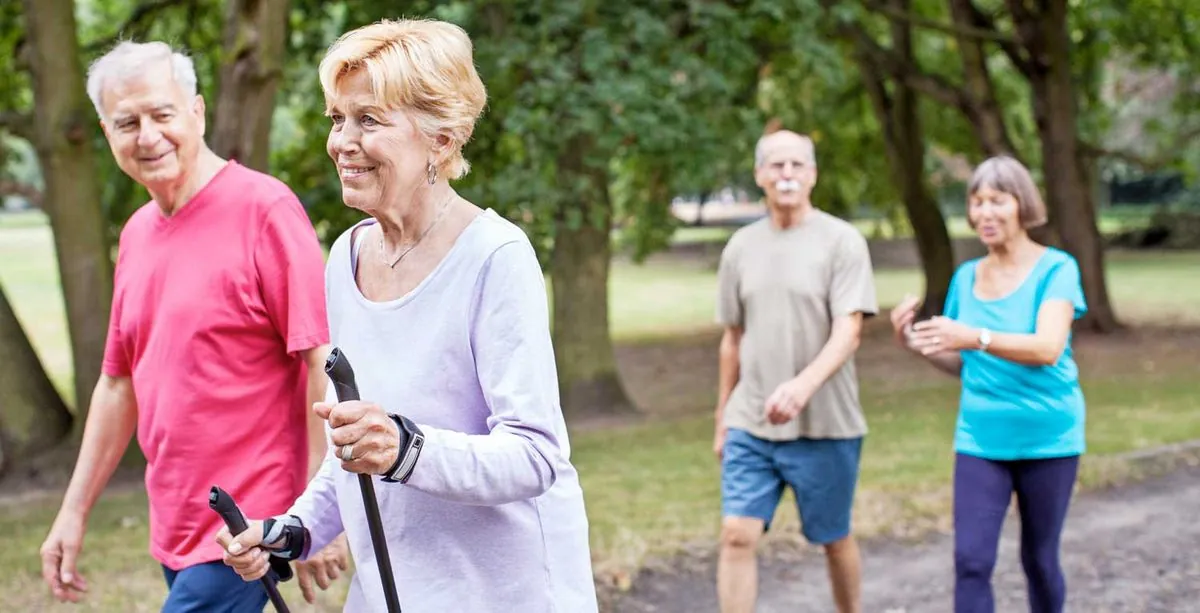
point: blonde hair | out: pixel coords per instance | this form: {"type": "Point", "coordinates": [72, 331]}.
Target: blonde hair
{"type": "Point", "coordinates": [424, 67]}
{"type": "Point", "coordinates": [1006, 174]}
{"type": "Point", "coordinates": [129, 58]}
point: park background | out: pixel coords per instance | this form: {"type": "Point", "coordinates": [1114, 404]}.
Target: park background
{"type": "Point", "coordinates": [620, 135]}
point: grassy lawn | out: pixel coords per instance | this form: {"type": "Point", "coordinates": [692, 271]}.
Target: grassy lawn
{"type": "Point", "coordinates": [652, 487]}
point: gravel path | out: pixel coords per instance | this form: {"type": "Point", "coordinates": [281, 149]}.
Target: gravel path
{"type": "Point", "coordinates": [1131, 549]}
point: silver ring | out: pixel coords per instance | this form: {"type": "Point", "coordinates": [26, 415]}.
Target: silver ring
{"type": "Point", "coordinates": [346, 453]}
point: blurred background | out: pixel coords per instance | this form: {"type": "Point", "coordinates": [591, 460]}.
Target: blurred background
{"type": "Point", "coordinates": [620, 136]}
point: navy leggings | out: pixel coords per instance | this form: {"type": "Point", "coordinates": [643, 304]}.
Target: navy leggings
{"type": "Point", "coordinates": [982, 491]}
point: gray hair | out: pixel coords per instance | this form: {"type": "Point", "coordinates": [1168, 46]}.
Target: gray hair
{"type": "Point", "coordinates": [129, 58]}
{"type": "Point", "coordinates": [1005, 174]}
{"type": "Point", "coordinates": [760, 150]}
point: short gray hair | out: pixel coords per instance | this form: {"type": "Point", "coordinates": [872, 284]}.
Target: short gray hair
{"type": "Point", "coordinates": [1005, 174]}
{"type": "Point", "coordinates": [129, 58]}
{"type": "Point", "coordinates": [760, 151]}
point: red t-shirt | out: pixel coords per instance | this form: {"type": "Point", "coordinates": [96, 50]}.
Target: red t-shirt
{"type": "Point", "coordinates": [211, 310]}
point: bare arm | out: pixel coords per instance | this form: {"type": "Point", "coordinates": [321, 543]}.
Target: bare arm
{"type": "Point", "coordinates": [941, 335]}
{"type": "Point", "coordinates": [1045, 345]}
{"type": "Point", "coordinates": [111, 420]}
{"type": "Point", "coordinates": [729, 364]}
{"type": "Point", "coordinates": [317, 381]}
{"type": "Point", "coordinates": [844, 338]}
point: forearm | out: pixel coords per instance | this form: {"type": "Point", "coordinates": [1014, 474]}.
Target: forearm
{"type": "Point", "coordinates": [111, 421]}
{"type": "Point", "coordinates": [949, 362]}
{"type": "Point", "coordinates": [1027, 349]}
{"type": "Point", "coordinates": [317, 383]}
{"type": "Point", "coordinates": [318, 508]}
{"type": "Point", "coordinates": [843, 341]}
{"type": "Point", "coordinates": [511, 463]}
{"type": "Point", "coordinates": [729, 366]}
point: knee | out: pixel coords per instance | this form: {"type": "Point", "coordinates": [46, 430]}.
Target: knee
{"type": "Point", "coordinates": [842, 548]}
{"type": "Point", "coordinates": [971, 562]}
{"type": "Point", "coordinates": [740, 535]}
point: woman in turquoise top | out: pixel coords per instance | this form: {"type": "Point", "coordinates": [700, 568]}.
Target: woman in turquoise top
{"type": "Point", "coordinates": [1006, 333]}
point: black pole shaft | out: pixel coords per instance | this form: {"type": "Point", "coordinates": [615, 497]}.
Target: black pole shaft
{"type": "Point", "coordinates": [342, 375]}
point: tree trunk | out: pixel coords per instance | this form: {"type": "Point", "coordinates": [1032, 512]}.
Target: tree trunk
{"type": "Point", "coordinates": [255, 33]}
{"type": "Point", "coordinates": [1045, 35]}
{"type": "Point", "coordinates": [64, 120]}
{"type": "Point", "coordinates": [32, 414]}
{"type": "Point", "coordinates": [579, 263]}
{"type": "Point", "coordinates": [981, 107]}
{"type": "Point", "coordinates": [904, 145]}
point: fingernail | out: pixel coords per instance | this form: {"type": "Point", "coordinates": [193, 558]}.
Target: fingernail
{"type": "Point", "coordinates": [235, 548]}
{"type": "Point", "coordinates": [68, 577]}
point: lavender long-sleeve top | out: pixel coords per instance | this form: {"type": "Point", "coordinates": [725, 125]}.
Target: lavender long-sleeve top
{"type": "Point", "coordinates": [492, 519]}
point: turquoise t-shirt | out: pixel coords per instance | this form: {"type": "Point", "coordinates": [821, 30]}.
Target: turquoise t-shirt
{"type": "Point", "coordinates": [1011, 411]}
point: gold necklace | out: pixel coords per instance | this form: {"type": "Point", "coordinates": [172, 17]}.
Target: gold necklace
{"type": "Point", "coordinates": [441, 212]}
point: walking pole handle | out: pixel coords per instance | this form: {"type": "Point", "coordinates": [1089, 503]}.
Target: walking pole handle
{"type": "Point", "coordinates": [221, 502]}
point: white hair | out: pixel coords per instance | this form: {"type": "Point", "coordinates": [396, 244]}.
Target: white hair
{"type": "Point", "coordinates": [129, 58]}
{"type": "Point", "coordinates": [806, 146]}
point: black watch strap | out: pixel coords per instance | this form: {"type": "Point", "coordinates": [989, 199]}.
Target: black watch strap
{"type": "Point", "coordinates": [412, 440]}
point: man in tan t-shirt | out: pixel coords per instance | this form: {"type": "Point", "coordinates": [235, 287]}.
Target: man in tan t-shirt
{"type": "Point", "coordinates": [794, 288]}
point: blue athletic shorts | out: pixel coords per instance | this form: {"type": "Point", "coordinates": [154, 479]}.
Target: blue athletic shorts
{"type": "Point", "coordinates": [212, 588]}
{"type": "Point", "coordinates": [822, 473]}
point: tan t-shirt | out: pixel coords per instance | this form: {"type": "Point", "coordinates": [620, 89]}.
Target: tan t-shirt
{"type": "Point", "coordinates": [784, 288]}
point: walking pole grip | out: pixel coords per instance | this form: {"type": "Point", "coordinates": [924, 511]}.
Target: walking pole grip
{"type": "Point", "coordinates": [342, 376]}
{"type": "Point", "coordinates": [221, 502]}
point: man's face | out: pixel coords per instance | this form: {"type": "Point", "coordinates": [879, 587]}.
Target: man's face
{"type": "Point", "coordinates": [152, 127]}
{"type": "Point", "coordinates": [787, 172]}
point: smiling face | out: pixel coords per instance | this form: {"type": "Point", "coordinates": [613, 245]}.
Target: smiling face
{"type": "Point", "coordinates": [785, 169]}
{"type": "Point", "coordinates": [995, 215]}
{"type": "Point", "coordinates": [153, 129]}
{"type": "Point", "coordinates": [380, 155]}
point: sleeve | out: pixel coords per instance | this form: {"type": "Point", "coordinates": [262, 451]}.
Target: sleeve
{"type": "Point", "coordinates": [291, 272]}
{"type": "Point", "coordinates": [729, 303]}
{"type": "Point", "coordinates": [317, 507]}
{"type": "Point", "coordinates": [951, 307]}
{"type": "Point", "coordinates": [520, 455]}
{"type": "Point", "coordinates": [852, 288]}
{"type": "Point", "coordinates": [116, 359]}
{"type": "Point", "coordinates": [1063, 283]}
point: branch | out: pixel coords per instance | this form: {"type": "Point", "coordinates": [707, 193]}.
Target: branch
{"type": "Point", "coordinates": [1146, 163]}
{"type": "Point", "coordinates": [1010, 46]}
{"type": "Point", "coordinates": [933, 86]}
{"type": "Point", "coordinates": [17, 124]}
{"type": "Point", "coordinates": [139, 14]}
{"type": "Point", "coordinates": [968, 31]}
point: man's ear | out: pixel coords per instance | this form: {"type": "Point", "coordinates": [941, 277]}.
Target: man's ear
{"type": "Point", "coordinates": [198, 109]}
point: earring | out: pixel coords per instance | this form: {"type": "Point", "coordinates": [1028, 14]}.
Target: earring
{"type": "Point", "coordinates": [431, 173]}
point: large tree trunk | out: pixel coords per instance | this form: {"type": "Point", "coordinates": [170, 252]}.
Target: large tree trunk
{"type": "Point", "coordinates": [64, 119]}
{"type": "Point", "coordinates": [1045, 35]}
{"type": "Point", "coordinates": [32, 415]}
{"type": "Point", "coordinates": [904, 144]}
{"type": "Point", "coordinates": [255, 34]}
{"type": "Point", "coordinates": [579, 263]}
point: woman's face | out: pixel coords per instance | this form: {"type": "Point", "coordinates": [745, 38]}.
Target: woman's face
{"type": "Point", "coordinates": [380, 155]}
{"type": "Point", "coordinates": [995, 215]}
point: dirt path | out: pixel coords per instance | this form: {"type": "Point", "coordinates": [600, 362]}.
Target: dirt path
{"type": "Point", "coordinates": [1132, 549]}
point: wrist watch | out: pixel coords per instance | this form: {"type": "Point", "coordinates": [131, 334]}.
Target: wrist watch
{"type": "Point", "coordinates": [985, 339]}
{"type": "Point", "coordinates": [411, 442]}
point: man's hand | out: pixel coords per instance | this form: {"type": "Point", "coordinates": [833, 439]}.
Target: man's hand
{"type": "Point", "coordinates": [324, 568]}
{"type": "Point", "coordinates": [719, 441]}
{"type": "Point", "coordinates": [788, 400]}
{"type": "Point", "coordinates": [59, 553]}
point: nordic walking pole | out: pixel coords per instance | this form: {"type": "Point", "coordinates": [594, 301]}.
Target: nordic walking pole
{"type": "Point", "coordinates": [342, 375]}
{"type": "Point", "coordinates": [221, 502]}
